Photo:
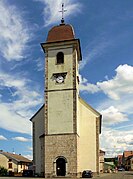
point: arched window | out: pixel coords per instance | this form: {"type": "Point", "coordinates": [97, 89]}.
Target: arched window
{"type": "Point", "coordinates": [60, 57]}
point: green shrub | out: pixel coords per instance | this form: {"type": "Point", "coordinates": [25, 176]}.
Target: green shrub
{"type": "Point", "coordinates": [3, 171]}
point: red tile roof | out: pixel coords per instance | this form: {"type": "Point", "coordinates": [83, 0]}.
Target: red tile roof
{"type": "Point", "coordinates": [127, 153]}
{"type": "Point", "coordinates": [60, 33]}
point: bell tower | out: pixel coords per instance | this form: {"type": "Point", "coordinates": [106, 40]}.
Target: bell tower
{"type": "Point", "coordinates": [62, 56]}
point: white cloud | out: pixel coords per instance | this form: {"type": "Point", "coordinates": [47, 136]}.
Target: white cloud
{"type": "Point", "coordinates": [115, 110]}
{"type": "Point", "coordinates": [15, 122]}
{"type": "Point", "coordinates": [116, 88]}
{"type": "Point", "coordinates": [96, 48]}
{"type": "Point", "coordinates": [10, 81]}
{"type": "Point", "coordinates": [30, 148]}
{"type": "Point", "coordinates": [128, 140]}
{"type": "Point", "coordinates": [115, 142]}
{"type": "Point", "coordinates": [21, 139]}
{"type": "Point", "coordinates": [51, 10]}
{"type": "Point", "coordinates": [23, 98]}
{"type": "Point", "coordinates": [112, 116]}
{"type": "Point", "coordinates": [40, 64]}
{"type": "Point", "coordinates": [116, 107]}
{"type": "Point", "coordinates": [13, 32]}
{"type": "Point", "coordinates": [120, 85]}
{"type": "Point", "coordinates": [2, 137]}
{"type": "Point", "coordinates": [30, 157]}
{"type": "Point", "coordinates": [94, 51]}
{"type": "Point", "coordinates": [87, 87]}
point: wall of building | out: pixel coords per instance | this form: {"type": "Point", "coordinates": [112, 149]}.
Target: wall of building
{"type": "Point", "coordinates": [61, 138]}
{"type": "Point", "coordinates": [38, 141]}
{"type": "Point", "coordinates": [14, 166]}
{"type": "Point", "coordinates": [22, 167]}
{"type": "Point", "coordinates": [87, 138]}
{"type": "Point", "coordinates": [131, 163]}
{"type": "Point", "coordinates": [61, 146]}
{"type": "Point", "coordinates": [60, 96]}
{"type": "Point", "coordinates": [3, 161]}
{"type": "Point", "coordinates": [54, 68]}
{"type": "Point", "coordinates": [101, 159]}
{"type": "Point", "coordinates": [60, 112]}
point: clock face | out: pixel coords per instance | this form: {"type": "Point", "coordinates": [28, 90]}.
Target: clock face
{"type": "Point", "coordinates": [60, 79]}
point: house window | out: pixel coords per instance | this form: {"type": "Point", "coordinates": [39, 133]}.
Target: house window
{"type": "Point", "coordinates": [10, 165]}
{"type": "Point", "coordinates": [60, 58]}
{"type": "Point", "coordinates": [21, 165]}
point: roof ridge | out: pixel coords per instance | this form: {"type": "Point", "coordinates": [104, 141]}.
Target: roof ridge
{"type": "Point", "coordinates": [16, 157]}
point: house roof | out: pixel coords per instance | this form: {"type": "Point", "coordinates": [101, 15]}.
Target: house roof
{"type": "Point", "coordinates": [127, 153]}
{"type": "Point", "coordinates": [89, 107]}
{"type": "Point", "coordinates": [101, 151]}
{"type": "Point", "coordinates": [37, 112]}
{"type": "Point", "coordinates": [60, 33]}
{"type": "Point", "coordinates": [18, 158]}
{"type": "Point", "coordinates": [129, 157]}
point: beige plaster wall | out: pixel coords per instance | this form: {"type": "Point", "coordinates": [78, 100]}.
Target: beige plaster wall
{"type": "Point", "coordinates": [38, 130]}
{"type": "Point", "coordinates": [60, 96]}
{"type": "Point", "coordinates": [14, 166]}
{"type": "Point", "coordinates": [60, 112]}
{"type": "Point", "coordinates": [65, 67]}
{"type": "Point", "coordinates": [20, 168]}
{"type": "Point", "coordinates": [101, 167]}
{"type": "Point", "coordinates": [87, 139]}
{"type": "Point", "coordinates": [3, 161]}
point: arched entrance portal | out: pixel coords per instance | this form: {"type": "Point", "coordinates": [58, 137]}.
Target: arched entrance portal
{"type": "Point", "coordinates": [60, 166]}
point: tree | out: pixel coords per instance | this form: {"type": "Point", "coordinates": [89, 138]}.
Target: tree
{"type": "Point", "coordinates": [3, 171]}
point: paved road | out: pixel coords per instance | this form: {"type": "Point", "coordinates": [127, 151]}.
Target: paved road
{"type": "Point", "coordinates": [119, 175]}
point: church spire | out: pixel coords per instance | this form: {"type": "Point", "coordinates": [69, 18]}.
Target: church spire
{"type": "Point", "coordinates": [63, 10]}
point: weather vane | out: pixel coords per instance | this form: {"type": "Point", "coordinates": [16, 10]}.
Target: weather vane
{"type": "Point", "coordinates": [63, 10]}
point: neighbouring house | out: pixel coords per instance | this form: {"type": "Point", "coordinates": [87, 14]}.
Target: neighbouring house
{"type": "Point", "coordinates": [126, 157]}
{"type": "Point", "coordinates": [101, 160]}
{"type": "Point", "coordinates": [14, 163]}
{"type": "Point", "coordinates": [129, 163]}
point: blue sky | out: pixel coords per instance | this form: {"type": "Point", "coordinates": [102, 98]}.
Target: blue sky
{"type": "Point", "coordinates": [105, 31]}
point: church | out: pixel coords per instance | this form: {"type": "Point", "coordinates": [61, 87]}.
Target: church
{"type": "Point", "coordinates": [65, 129]}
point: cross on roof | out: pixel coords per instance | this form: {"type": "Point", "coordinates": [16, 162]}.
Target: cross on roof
{"type": "Point", "coordinates": [63, 10]}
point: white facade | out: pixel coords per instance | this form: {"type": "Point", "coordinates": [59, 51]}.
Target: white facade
{"type": "Point", "coordinates": [87, 137]}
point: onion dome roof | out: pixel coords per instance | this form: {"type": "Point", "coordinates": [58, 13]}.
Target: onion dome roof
{"type": "Point", "coordinates": [61, 32]}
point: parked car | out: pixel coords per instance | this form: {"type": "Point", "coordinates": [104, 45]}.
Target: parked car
{"type": "Point", "coordinates": [27, 173]}
{"type": "Point", "coordinates": [87, 174]}
{"type": "Point", "coordinates": [121, 169]}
